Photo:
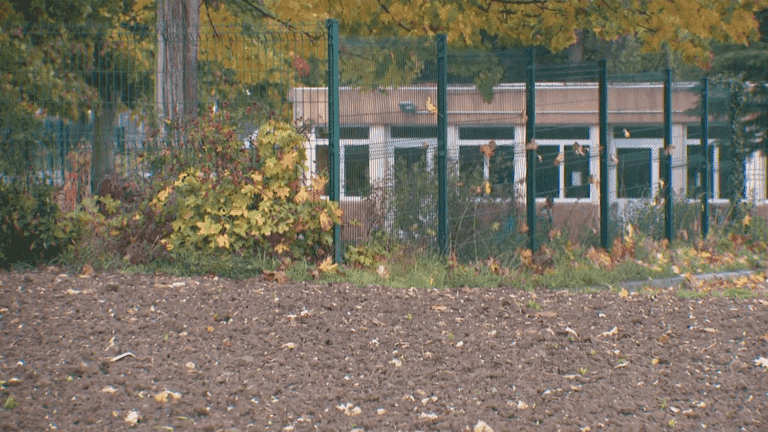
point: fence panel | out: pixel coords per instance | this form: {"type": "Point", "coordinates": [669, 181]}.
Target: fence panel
{"type": "Point", "coordinates": [388, 138]}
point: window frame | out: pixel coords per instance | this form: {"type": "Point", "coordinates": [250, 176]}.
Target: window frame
{"type": "Point", "coordinates": [500, 142]}
{"type": "Point", "coordinates": [315, 141]}
{"type": "Point", "coordinates": [561, 169]}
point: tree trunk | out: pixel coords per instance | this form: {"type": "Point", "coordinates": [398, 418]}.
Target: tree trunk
{"type": "Point", "coordinates": [576, 50]}
{"type": "Point", "coordinates": [576, 56]}
{"type": "Point", "coordinates": [176, 72]}
{"type": "Point", "coordinates": [103, 149]}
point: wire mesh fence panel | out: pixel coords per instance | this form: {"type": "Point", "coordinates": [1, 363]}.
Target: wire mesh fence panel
{"type": "Point", "coordinates": [388, 138]}
{"type": "Point", "coordinates": [102, 102]}
{"type": "Point", "coordinates": [567, 152]}
{"type": "Point", "coordinates": [486, 118]}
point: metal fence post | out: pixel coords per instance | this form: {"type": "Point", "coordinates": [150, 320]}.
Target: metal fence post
{"type": "Point", "coordinates": [442, 146]}
{"type": "Point", "coordinates": [668, 203]}
{"type": "Point", "coordinates": [707, 174]}
{"type": "Point", "coordinates": [334, 151]}
{"type": "Point", "coordinates": [530, 154]}
{"type": "Point", "coordinates": [605, 240]}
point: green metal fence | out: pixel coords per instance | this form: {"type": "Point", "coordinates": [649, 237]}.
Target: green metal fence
{"type": "Point", "coordinates": [477, 153]}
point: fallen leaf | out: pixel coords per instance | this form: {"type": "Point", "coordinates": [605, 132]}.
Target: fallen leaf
{"type": "Point", "coordinates": [327, 265]}
{"type": "Point", "coordinates": [488, 149]}
{"type": "Point", "coordinates": [482, 426]}
{"type": "Point", "coordinates": [165, 394]}
{"type": "Point", "coordinates": [277, 276]}
{"type": "Point", "coordinates": [87, 271]}
{"type": "Point", "coordinates": [132, 418]}
{"type": "Point", "coordinates": [431, 107]}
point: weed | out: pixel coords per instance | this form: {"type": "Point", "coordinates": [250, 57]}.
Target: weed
{"type": "Point", "coordinates": [532, 304]}
{"type": "Point", "coordinates": [583, 370]}
{"type": "Point", "coordinates": [10, 403]}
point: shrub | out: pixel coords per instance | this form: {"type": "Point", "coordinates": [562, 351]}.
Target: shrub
{"type": "Point", "coordinates": [30, 225]}
{"type": "Point", "coordinates": [243, 202]}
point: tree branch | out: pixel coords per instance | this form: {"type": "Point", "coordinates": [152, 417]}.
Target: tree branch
{"type": "Point", "coordinates": [386, 9]}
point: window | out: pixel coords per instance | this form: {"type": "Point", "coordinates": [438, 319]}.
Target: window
{"type": "Point", "coordinates": [633, 173]}
{"type": "Point", "coordinates": [576, 166]}
{"type": "Point", "coordinates": [487, 133]}
{"type": "Point", "coordinates": [408, 162]}
{"type": "Point", "coordinates": [498, 170]}
{"type": "Point", "coordinates": [638, 131]}
{"type": "Point", "coordinates": [716, 131]}
{"type": "Point", "coordinates": [414, 131]}
{"type": "Point", "coordinates": [547, 173]}
{"type": "Point", "coordinates": [471, 163]}
{"type": "Point", "coordinates": [321, 164]}
{"type": "Point", "coordinates": [696, 165]}
{"type": "Point", "coordinates": [345, 132]}
{"type": "Point", "coordinates": [727, 174]}
{"type": "Point", "coordinates": [356, 171]}
{"type": "Point", "coordinates": [502, 171]}
{"type": "Point", "coordinates": [557, 132]}
{"type": "Point", "coordinates": [662, 158]}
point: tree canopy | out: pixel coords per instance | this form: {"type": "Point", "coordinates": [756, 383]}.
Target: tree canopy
{"type": "Point", "coordinates": [686, 26]}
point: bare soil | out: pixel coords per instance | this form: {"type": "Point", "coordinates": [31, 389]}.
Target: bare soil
{"type": "Point", "coordinates": [163, 353]}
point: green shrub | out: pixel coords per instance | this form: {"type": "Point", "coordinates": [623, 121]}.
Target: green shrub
{"type": "Point", "coordinates": [243, 202]}
{"type": "Point", "coordinates": [369, 253]}
{"type": "Point", "coordinates": [30, 225]}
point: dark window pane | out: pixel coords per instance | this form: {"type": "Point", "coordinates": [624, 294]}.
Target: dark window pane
{"type": "Point", "coordinates": [576, 172]}
{"type": "Point", "coordinates": [356, 171]}
{"type": "Point", "coordinates": [321, 164]}
{"type": "Point", "coordinates": [471, 163]}
{"type": "Point", "coordinates": [486, 133]}
{"type": "Point", "coordinates": [414, 131]}
{"type": "Point", "coordinates": [409, 161]}
{"type": "Point", "coordinates": [502, 171]}
{"type": "Point", "coordinates": [562, 132]}
{"type": "Point", "coordinates": [662, 158]}
{"type": "Point", "coordinates": [354, 132]}
{"type": "Point", "coordinates": [547, 173]}
{"type": "Point", "coordinates": [633, 173]}
{"type": "Point", "coordinates": [638, 131]}
{"type": "Point", "coordinates": [727, 176]}
{"type": "Point", "coordinates": [696, 166]}
{"type": "Point", "coordinates": [345, 132]}
{"type": "Point", "coordinates": [716, 131]}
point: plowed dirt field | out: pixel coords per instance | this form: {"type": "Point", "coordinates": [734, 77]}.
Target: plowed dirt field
{"type": "Point", "coordinates": [154, 352]}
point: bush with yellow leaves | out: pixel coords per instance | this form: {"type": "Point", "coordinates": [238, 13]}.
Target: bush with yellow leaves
{"type": "Point", "coordinates": [245, 202]}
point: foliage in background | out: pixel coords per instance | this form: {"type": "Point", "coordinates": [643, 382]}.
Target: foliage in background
{"type": "Point", "coordinates": [67, 59]}
{"type": "Point", "coordinates": [241, 201]}
{"type": "Point", "coordinates": [688, 26]}
{"type": "Point", "coordinates": [30, 229]}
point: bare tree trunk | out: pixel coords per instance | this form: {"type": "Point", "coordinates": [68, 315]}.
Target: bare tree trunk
{"type": "Point", "coordinates": [575, 55]}
{"type": "Point", "coordinates": [576, 50]}
{"type": "Point", "coordinates": [103, 149]}
{"type": "Point", "coordinates": [176, 72]}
